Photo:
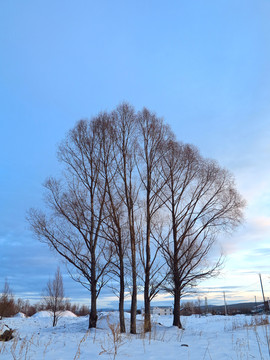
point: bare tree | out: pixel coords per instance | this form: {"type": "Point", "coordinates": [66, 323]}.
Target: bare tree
{"type": "Point", "coordinates": [76, 207]}
{"type": "Point", "coordinates": [129, 190]}
{"type": "Point", "coordinates": [115, 227]}
{"type": "Point", "coordinates": [202, 201]}
{"type": "Point", "coordinates": [7, 303]}
{"type": "Point", "coordinates": [153, 137]}
{"type": "Point", "coordinates": [53, 297]}
{"type": "Point", "coordinates": [126, 130]}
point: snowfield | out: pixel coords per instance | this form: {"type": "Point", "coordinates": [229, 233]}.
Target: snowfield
{"type": "Point", "coordinates": [204, 338]}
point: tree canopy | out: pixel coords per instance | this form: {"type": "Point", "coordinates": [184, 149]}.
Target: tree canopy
{"type": "Point", "coordinates": [135, 202]}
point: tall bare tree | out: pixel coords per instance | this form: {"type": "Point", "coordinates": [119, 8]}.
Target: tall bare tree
{"type": "Point", "coordinates": [126, 129]}
{"type": "Point", "coordinates": [202, 201]}
{"type": "Point", "coordinates": [124, 177]}
{"type": "Point", "coordinates": [114, 227]}
{"type": "Point", "coordinates": [153, 135]}
{"type": "Point", "coordinates": [53, 297]}
{"type": "Point", "coordinates": [76, 206]}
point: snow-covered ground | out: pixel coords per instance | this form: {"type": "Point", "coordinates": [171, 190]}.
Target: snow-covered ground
{"type": "Point", "coordinates": [204, 338]}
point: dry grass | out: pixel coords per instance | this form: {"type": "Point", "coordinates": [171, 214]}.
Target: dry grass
{"type": "Point", "coordinates": [259, 325]}
{"type": "Point", "coordinates": [251, 322]}
{"type": "Point", "coordinates": [113, 341]}
{"type": "Point", "coordinates": [83, 339]}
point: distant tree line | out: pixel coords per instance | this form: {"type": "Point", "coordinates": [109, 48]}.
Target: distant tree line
{"type": "Point", "coordinates": [197, 308]}
{"type": "Point", "coordinates": [136, 210]}
{"type": "Point", "coordinates": [10, 306]}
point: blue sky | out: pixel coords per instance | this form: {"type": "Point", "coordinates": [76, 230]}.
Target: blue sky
{"type": "Point", "coordinates": [202, 65]}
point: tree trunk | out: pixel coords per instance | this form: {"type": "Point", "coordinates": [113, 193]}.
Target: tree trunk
{"type": "Point", "coordinates": [147, 314]}
{"type": "Point", "coordinates": [121, 297]}
{"type": "Point", "coordinates": [54, 319]}
{"type": "Point", "coordinates": [133, 310]}
{"type": "Point", "coordinates": [93, 310]}
{"type": "Point", "coordinates": [176, 310]}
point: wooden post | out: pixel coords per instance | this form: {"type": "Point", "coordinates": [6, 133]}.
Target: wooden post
{"type": "Point", "coordinates": [225, 306]}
